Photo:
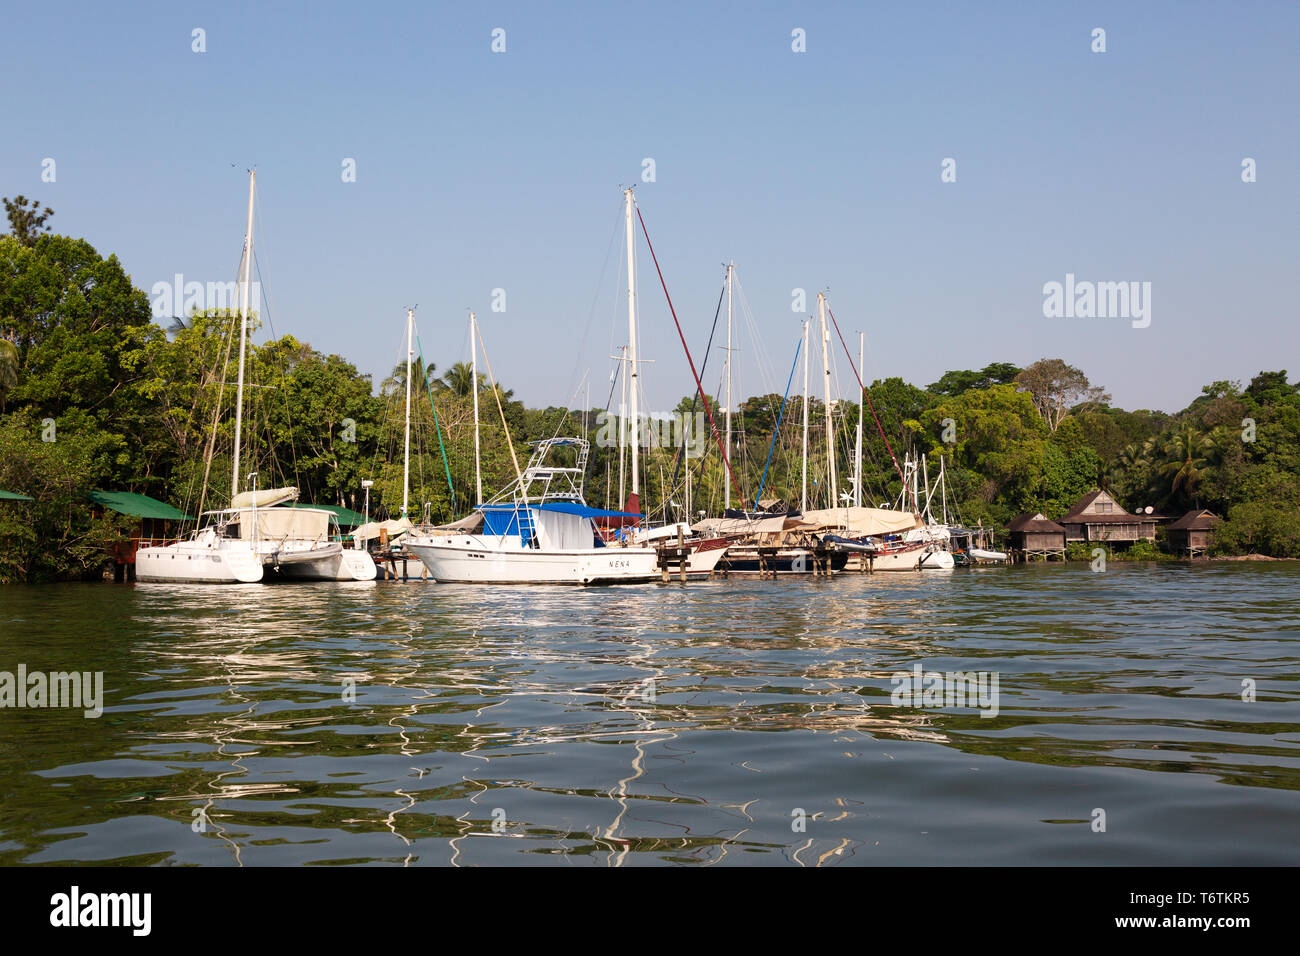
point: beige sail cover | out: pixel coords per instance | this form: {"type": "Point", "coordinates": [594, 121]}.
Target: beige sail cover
{"type": "Point", "coordinates": [471, 522]}
{"type": "Point", "coordinates": [264, 498]}
{"type": "Point", "coordinates": [734, 526]}
{"type": "Point", "coordinates": [394, 527]}
{"type": "Point", "coordinates": [863, 521]}
{"type": "Point", "coordinates": [286, 524]}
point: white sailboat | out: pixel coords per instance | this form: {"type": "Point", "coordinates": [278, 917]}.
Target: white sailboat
{"type": "Point", "coordinates": [256, 541]}
{"type": "Point", "coordinates": [921, 548]}
{"type": "Point", "coordinates": [890, 539]}
{"type": "Point", "coordinates": [253, 539]}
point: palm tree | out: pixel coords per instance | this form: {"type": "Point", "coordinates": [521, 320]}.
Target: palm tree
{"type": "Point", "coordinates": [460, 379]}
{"type": "Point", "coordinates": [396, 382]}
{"type": "Point", "coordinates": [1128, 467]}
{"type": "Point", "coordinates": [1187, 454]}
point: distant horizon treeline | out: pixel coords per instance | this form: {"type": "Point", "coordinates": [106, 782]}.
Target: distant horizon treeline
{"type": "Point", "coordinates": [95, 395]}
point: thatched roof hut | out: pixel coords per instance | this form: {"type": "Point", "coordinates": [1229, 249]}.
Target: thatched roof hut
{"type": "Point", "coordinates": [1034, 533]}
{"type": "Point", "coordinates": [1193, 533]}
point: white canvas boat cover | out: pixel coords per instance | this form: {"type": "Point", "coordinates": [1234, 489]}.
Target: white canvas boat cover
{"type": "Point", "coordinates": [394, 527]}
{"type": "Point", "coordinates": [264, 498]}
{"type": "Point", "coordinates": [471, 523]}
{"type": "Point", "coordinates": [731, 526]}
{"type": "Point", "coordinates": [863, 521]}
{"type": "Point", "coordinates": [657, 534]}
{"type": "Point", "coordinates": [286, 524]}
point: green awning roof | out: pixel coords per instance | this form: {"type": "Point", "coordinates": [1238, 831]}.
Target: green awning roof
{"type": "Point", "coordinates": [347, 517]}
{"type": "Point", "coordinates": [137, 506]}
{"type": "Point", "coordinates": [13, 496]}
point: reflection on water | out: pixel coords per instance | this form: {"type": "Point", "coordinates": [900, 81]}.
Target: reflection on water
{"type": "Point", "coordinates": [722, 722]}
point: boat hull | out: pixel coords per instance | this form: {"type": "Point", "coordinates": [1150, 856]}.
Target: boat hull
{"type": "Point", "coordinates": [340, 565]}
{"type": "Point", "coordinates": [465, 561]}
{"type": "Point", "coordinates": [189, 563]}
{"type": "Point", "coordinates": [705, 557]}
{"type": "Point", "coordinates": [919, 557]}
{"type": "Point", "coordinates": [937, 560]}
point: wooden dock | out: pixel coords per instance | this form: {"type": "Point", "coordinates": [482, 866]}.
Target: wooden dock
{"type": "Point", "coordinates": [393, 565]}
{"type": "Point", "coordinates": [674, 557]}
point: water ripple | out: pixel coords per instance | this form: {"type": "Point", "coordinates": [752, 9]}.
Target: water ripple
{"type": "Point", "coordinates": [716, 723]}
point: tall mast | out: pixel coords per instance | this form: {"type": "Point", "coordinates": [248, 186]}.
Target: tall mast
{"type": "Point", "coordinates": [803, 499]}
{"type": "Point", "coordinates": [622, 429]}
{"type": "Point", "coordinates": [686, 459]}
{"type": "Point", "coordinates": [473, 368]}
{"type": "Point", "coordinates": [726, 503]}
{"type": "Point", "coordinates": [243, 333]}
{"type": "Point", "coordinates": [832, 498]}
{"type": "Point", "coordinates": [631, 340]}
{"type": "Point", "coordinates": [943, 490]}
{"type": "Point", "coordinates": [857, 450]}
{"type": "Point", "coordinates": [916, 503]}
{"type": "Point", "coordinates": [925, 473]}
{"type": "Point", "coordinates": [406, 455]}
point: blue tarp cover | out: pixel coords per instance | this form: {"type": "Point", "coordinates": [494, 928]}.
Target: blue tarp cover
{"type": "Point", "coordinates": [582, 511]}
{"type": "Point", "coordinates": [503, 520]}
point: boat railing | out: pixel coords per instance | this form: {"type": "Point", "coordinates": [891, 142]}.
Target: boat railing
{"type": "Point", "coordinates": [124, 549]}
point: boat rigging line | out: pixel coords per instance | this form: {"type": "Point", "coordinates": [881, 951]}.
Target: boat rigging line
{"type": "Point", "coordinates": [496, 393]}
{"type": "Point", "coordinates": [708, 350]}
{"type": "Point", "coordinates": [867, 395]}
{"type": "Point", "coordinates": [777, 430]}
{"type": "Point", "coordinates": [726, 459]}
{"type": "Point", "coordinates": [436, 426]}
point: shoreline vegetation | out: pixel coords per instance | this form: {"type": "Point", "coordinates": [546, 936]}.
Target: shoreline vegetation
{"type": "Point", "coordinates": [96, 395]}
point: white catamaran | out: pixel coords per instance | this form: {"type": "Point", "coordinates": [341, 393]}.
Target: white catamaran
{"type": "Point", "coordinates": [254, 539]}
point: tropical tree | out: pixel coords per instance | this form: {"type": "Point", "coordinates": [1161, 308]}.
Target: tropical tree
{"type": "Point", "coordinates": [421, 377]}
{"type": "Point", "coordinates": [459, 379]}
{"type": "Point", "coordinates": [1187, 454]}
{"type": "Point", "coordinates": [956, 382]}
{"type": "Point", "coordinates": [1056, 388]}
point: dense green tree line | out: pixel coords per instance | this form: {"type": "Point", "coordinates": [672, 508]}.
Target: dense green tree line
{"type": "Point", "coordinates": [95, 395]}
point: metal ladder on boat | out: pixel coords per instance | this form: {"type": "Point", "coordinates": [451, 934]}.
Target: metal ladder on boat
{"type": "Point", "coordinates": [527, 528]}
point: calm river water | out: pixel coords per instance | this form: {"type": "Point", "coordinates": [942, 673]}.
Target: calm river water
{"type": "Point", "coordinates": [719, 722]}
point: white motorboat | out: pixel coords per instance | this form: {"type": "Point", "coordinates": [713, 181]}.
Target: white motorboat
{"type": "Point", "coordinates": [538, 531]}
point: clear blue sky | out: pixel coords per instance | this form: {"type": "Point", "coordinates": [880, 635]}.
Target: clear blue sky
{"type": "Point", "coordinates": [818, 170]}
